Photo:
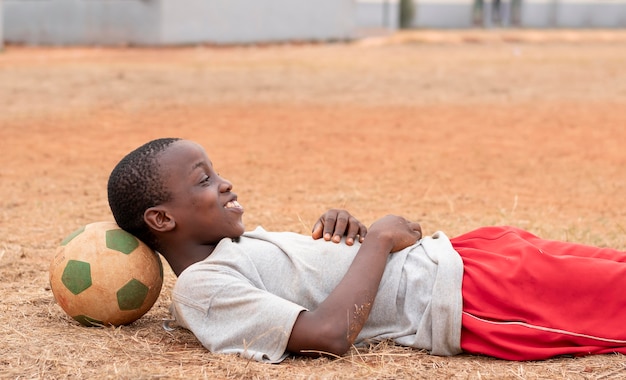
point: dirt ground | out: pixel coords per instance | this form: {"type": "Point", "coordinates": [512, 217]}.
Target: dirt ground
{"type": "Point", "coordinates": [455, 130]}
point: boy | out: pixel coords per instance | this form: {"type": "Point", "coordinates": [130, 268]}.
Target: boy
{"type": "Point", "coordinates": [498, 291]}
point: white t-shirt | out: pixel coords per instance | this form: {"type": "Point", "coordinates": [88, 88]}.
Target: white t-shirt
{"type": "Point", "coordinates": [245, 297]}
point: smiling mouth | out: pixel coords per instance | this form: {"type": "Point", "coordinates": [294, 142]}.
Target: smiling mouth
{"type": "Point", "coordinates": [233, 204]}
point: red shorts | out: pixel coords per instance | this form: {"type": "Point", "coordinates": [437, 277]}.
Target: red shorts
{"type": "Point", "coordinates": [526, 298]}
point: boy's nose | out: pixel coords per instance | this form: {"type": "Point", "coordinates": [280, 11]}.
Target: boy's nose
{"type": "Point", "coordinates": [226, 186]}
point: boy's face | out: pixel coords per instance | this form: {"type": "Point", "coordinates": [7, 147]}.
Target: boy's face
{"type": "Point", "coordinates": [202, 205]}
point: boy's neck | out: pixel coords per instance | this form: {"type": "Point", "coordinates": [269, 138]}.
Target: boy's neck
{"type": "Point", "coordinates": [182, 257]}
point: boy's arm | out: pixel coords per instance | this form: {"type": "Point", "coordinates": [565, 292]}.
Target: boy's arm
{"type": "Point", "coordinates": [333, 327]}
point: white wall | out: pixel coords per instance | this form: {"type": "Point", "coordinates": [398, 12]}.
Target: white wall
{"type": "Point", "coordinates": [591, 14]}
{"type": "Point", "coordinates": [1, 27]}
{"type": "Point", "coordinates": [247, 21]}
{"type": "Point", "coordinates": [574, 13]}
{"type": "Point", "coordinates": [69, 22]}
{"type": "Point", "coordinates": [155, 22]}
{"type": "Point", "coordinates": [378, 14]}
{"type": "Point", "coordinates": [539, 13]}
{"type": "Point", "coordinates": [534, 13]}
{"type": "Point", "coordinates": [443, 14]}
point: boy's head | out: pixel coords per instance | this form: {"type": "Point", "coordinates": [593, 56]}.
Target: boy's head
{"type": "Point", "coordinates": [136, 184]}
{"type": "Point", "coordinates": [168, 194]}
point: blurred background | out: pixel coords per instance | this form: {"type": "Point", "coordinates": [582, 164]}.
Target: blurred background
{"type": "Point", "coordinates": [455, 113]}
{"type": "Point", "coordinates": [169, 22]}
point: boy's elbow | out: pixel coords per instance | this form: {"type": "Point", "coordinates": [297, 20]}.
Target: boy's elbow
{"type": "Point", "coordinates": [339, 348]}
{"type": "Point", "coordinates": [333, 341]}
{"type": "Point", "coordinates": [310, 337]}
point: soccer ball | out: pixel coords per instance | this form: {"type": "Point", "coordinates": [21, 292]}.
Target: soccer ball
{"type": "Point", "coordinates": [102, 275]}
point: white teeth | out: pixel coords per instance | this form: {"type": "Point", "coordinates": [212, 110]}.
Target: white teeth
{"type": "Point", "coordinates": [233, 204]}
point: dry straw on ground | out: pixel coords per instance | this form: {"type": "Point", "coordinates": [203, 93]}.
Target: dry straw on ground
{"type": "Point", "coordinates": [456, 130]}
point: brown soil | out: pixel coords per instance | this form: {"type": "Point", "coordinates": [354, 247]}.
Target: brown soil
{"type": "Point", "coordinates": [456, 130]}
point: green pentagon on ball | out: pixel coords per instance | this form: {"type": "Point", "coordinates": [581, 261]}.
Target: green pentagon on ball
{"type": "Point", "coordinates": [122, 241]}
{"type": "Point", "coordinates": [87, 321]}
{"type": "Point", "coordinates": [71, 236]}
{"type": "Point", "coordinates": [132, 295]}
{"type": "Point", "coordinates": [76, 276]}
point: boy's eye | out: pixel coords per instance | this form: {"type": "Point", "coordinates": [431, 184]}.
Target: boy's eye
{"type": "Point", "coordinates": [205, 179]}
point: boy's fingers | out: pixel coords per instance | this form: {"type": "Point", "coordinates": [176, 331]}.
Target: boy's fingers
{"type": "Point", "coordinates": [335, 224]}
{"type": "Point", "coordinates": [341, 226]}
{"type": "Point", "coordinates": [354, 229]}
{"type": "Point", "coordinates": [329, 220]}
{"type": "Point", "coordinates": [316, 233]}
{"type": "Point", "coordinates": [416, 227]}
{"type": "Point", "coordinates": [362, 232]}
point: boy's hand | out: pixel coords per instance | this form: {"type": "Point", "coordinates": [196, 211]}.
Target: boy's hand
{"type": "Point", "coordinates": [397, 231]}
{"type": "Point", "coordinates": [334, 224]}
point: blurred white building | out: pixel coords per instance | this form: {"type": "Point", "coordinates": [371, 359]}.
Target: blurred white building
{"type": "Point", "coordinates": [574, 13]}
{"type": "Point", "coordinates": [1, 27]}
{"type": "Point", "coordinates": [162, 22]}
{"type": "Point", "coordinates": [159, 22]}
{"type": "Point", "coordinates": [376, 16]}
{"type": "Point", "coordinates": [522, 13]}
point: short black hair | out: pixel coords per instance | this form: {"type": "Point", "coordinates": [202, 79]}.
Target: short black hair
{"type": "Point", "coordinates": [136, 184]}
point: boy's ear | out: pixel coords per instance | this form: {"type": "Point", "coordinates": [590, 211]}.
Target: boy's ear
{"type": "Point", "coordinates": [159, 219]}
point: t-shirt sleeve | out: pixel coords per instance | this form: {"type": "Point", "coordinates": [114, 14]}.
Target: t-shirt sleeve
{"type": "Point", "coordinates": [230, 315]}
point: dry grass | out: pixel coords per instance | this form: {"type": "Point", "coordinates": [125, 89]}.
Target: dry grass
{"type": "Point", "coordinates": [502, 130]}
